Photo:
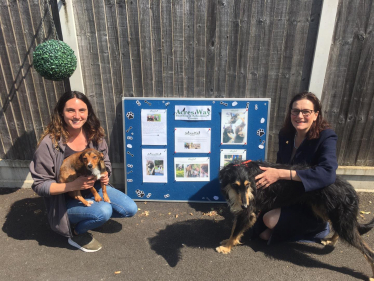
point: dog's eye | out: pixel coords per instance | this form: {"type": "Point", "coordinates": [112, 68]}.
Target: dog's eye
{"type": "Point", "coordinates": [84, 158]}
{"type": "Point", "coordinates": [94, 157]}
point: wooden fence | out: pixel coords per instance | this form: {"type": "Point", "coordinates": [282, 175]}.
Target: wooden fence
{"type": "Point", "coordinates": [190, 48]}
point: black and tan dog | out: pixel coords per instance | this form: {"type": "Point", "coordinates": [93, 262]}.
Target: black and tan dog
{"type": "Point", "coordinates": [336, 203]}
{"type": "Point", "coordinates": [85, 163]}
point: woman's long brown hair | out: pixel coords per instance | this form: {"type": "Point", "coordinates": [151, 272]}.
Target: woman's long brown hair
{"type": "Point", "coordinates": [57, 128]}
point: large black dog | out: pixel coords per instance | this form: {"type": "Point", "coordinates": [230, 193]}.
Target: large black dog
{"type": "Point", "coordinates": [337, 203]}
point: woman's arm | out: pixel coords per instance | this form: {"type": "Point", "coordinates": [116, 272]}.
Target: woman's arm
{"type": "Point", "coordinates": [271, 175]}
{"type": "Point", "coordinates": [323, 173]}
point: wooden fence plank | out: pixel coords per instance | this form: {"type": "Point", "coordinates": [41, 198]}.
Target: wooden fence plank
{"type": "Point", "coordinates": [145, 47]}
{"type": "Point", "coordinates": [232, 48]}
{"type": "Point", "coordinates": [156, 36]}
{"type": "Point", "coordinates": [5, 133]}
{"type": "Point", "coordinates": [223, 9]}
{"type": "Point", "coordinates": [123, 38]}
{"type": "Point", "coordinates": [167, 47]}
{"type": "Point", "coordinates": [243, 48]}
{"type": "Point", "coordinates": [134, 41]}
{"type": "Point", "coordinates": [177, 23]}
{"type": "Point", "coordinates": [200, 46]}
{"type": "Point", "coordinates": [211, 22]}
{"type": "Point", "coordinates": [188, 48]}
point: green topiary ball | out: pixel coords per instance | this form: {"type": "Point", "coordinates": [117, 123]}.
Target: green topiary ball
{"type": "Point", "coordinates": [54, 60]}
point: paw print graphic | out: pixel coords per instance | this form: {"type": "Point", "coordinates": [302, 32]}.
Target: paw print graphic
{"type": "Point", "coordinates": [130, 115]}
{"type": "Point", "coordinates": [260, 132]}
{"type": "Point", "coordinates": [140, 193]}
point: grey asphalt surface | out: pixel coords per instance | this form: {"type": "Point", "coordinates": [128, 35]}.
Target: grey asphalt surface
{"type": "Point", "coordinates": [164, 241]}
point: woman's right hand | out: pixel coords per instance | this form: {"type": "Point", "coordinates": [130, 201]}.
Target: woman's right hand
{"type": "Point", "coordinates": [82, 183]}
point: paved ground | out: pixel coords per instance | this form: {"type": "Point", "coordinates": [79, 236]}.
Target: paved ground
{"type": "Point", "coordinates": [164, 241]}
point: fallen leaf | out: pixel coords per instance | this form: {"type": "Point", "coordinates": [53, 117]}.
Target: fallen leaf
{"type": "Point", "coordinates": [117, 272]}
{"type": "Point", "coordinates": [362, 216]}
{"type": "Point", "coordinates": [365, 213]}
{"type": "Point", "coordinates": [176, 216]}
{"type": "Point", "coordinates": [191, 214]}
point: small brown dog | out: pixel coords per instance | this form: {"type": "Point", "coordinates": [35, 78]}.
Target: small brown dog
{"type": "Point", "coordinates": [85, 163]}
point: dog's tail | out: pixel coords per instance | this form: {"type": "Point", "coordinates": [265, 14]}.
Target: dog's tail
{"type": "Point", "coordinates": [364, 228]}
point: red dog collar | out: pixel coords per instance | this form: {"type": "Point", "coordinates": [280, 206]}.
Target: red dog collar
{"type": "Point", "coordinates": [244, 163]}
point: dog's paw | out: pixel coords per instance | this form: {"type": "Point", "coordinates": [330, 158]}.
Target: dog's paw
{"type": "Point", "coordinates": [223, 250]}
{"type": "Point", "coordinates": [98, 198]}
{"type": "Point", "coordinates": [328, 242]}
{"type": "Point", "coordinates": [106, 198]}
{"type": "Point", "coordinates": [89, 203]}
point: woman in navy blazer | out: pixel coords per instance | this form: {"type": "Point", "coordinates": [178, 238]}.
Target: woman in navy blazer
{"type": "Point", "coordinates": [305, 138]}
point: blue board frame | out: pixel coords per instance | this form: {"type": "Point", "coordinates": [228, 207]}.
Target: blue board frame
{"type": "Point", "coordinates": [177, 191]}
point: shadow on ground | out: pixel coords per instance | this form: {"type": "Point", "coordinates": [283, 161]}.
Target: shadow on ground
{"type": "Point", "coordinates": [208, 233]}
{"type": "Point", "coordinates": [27, 220]}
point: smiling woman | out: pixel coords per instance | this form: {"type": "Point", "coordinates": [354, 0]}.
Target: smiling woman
{"type": "Point", "coordinates": [305, 138]}
{"type": "Point", "coordinates": [73, 128]}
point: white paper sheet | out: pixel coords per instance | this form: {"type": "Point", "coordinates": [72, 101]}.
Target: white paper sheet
{"type": "Point", "coordinates": [154, 127]}
{"type": "Point", "coordinates": [229, 155]}
{"type": "Point", "coordinates": [192, 140]}
{"type": "Point", "coordinates": [234, 126]}
{"type": "Point", "coordinates": [192, 169]}
{"type": "Point", "coordinates": [154, 162]}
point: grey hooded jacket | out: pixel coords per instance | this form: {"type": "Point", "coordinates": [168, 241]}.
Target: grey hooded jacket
{"type": "Point", "coordinates": [45, 169]}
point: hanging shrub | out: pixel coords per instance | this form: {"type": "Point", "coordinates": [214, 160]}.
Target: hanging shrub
{"type": "Point", "coordinates": [54, 60]}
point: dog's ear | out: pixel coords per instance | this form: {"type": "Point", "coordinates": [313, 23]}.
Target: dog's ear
{"type": "Point", "coordinates": [81, 156]}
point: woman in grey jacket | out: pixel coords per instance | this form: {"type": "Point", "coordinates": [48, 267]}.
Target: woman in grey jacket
{"type": "Point", "coordinates": [73, 128]}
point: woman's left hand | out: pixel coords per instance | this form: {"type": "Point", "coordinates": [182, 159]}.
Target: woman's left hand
{"type": "Point", "coordinates": [267, 178]}
{"type": "Point", "coordinates": [104, 178]}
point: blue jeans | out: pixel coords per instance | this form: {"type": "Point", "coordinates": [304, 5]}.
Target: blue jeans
{"type": "Point", "coordinates": [87, 218]}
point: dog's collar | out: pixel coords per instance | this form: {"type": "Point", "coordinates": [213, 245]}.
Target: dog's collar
{"type": "Point", "coordinates": [245, 163]}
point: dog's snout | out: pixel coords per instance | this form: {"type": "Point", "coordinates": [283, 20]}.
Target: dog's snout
{"type": "Point", "coordinates": [89, 165]}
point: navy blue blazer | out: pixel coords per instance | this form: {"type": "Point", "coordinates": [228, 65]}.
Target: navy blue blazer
{"type": "Point", "coordinates": [319, 153]}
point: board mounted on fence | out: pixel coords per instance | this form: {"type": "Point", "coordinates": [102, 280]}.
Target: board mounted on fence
{"type": "Point", "coordinates": [174, 148]}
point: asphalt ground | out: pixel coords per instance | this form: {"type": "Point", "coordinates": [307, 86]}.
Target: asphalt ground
{"type": "Point", "coordinates": [164, 241]}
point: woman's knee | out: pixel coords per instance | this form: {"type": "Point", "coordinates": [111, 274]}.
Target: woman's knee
{"type": "Point", "coordinates": [131, 209]}
{"type": "Point", "coordinates": [271, 218]}
{"type": "Point", "coordinates": [104, 212]}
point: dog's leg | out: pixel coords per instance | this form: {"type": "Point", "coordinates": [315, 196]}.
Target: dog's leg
{"type": "Point", "coordinates": [76, 194]}
{"type": "Point", "coordinates": [242, 222]}
{"type": "Point", "coordinates": [105, 194]}
{"type": "Point", "coordinates": [95, 194]}
{"type": "Point", "coordinates": [331, 241]}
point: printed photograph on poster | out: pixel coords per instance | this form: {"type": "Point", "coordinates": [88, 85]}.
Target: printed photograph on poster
{"type": "Point", "coordinates": [193, 113]}
{"type": "Point", "coordinates": [154, 163]}
{"type": "Point", "coordinates": [153, 126]}
{"type": "Point", "coordinates": [234, 126]}
{"type": "Point", "coordinates": [192, 168]}
{"type": "Point", "coordinates": [192, 140]}
{"type": "Point", "coordinates": [229, 155]}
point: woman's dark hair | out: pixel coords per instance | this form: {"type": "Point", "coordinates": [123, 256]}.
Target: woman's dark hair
{"type": "Point", "coordinates": [319, 125]}
{"type": "Point", "coordinates": [57, 128]}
